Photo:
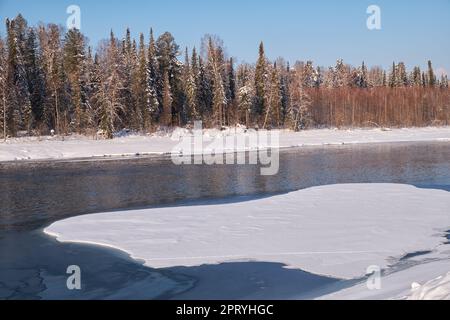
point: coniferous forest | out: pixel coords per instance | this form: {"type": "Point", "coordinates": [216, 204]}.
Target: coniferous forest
{"type": "Point", "coordinates": [51, 81]}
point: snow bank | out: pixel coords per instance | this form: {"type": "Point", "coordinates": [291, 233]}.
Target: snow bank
{"type": "Point", "coordinates": [437, 289]}
{"type": "Point", "coordinates": [162, 142]}
{"type": "Point", "coordinates": [396, 285]}
{"type": "Point", "coordinates": [337, 230]}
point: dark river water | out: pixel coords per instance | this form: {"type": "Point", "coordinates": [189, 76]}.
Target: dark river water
{"type": "Point", "coordinates": [35, 194]}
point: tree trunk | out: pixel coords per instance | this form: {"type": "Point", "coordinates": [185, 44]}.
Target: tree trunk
{"type": "Point", "coordinates": [4, 116]}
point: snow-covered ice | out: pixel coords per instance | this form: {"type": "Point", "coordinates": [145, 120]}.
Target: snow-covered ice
{"type": "Point", "coordinates": [403, 284]}
{"type": "Point", "coordinates": [437, 289]}
{"type": "Point", "coordinates": [163, 143]}
{"type": "Point", "coordinates": [336, 230]}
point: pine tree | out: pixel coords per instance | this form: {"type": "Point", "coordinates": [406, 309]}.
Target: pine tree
{"type": "Point", "coordinates": [309, 75]}
{"type": "Point", "coordinates": [245, 94]}
{"type": "Point", "coordinates": [152, 78]}
{"type": "Point", "coordinates": [93, 87]}
{"type": "Point", "coordinates": [204, 91]}
{"type": "Point", "coordinates": [3, 88]}
{"type": "Point", "coordinates": [401, 75]}
{"type": "Point", "coordinates": [167, 52]}
{"type": "Point", "coordinates": [364, 76]}
{"type": "Point", "coordinates": [424, 80]}
{"type": "Point", "coordinates": [166, 118]}
{"type": "Point", "coordinates": [431, 76]}
{"type": "Point", "coordinates": [299, 116]}
{"type": "Point", "coordinates": [19, 115]}
{"type": "Point", "coordinates": [74, 55]}
{"type": "Point", "coordinates": [110, 93]}
{"type": "Point", "coordinates": [260, 103]}
{"type": "Point", "coordinates": [284, 88]}
{"type": "Point", "coordinates": [318, 78]}
{"type": "Point", "coordinates": [329, 79]}
{"type": "Point", "coordinates": [273, 111]}
{"type": "Point", "coordinates": [34, 77]}
{"type": "Point", "coordinates": [190, 83]}
{"type": "Point", "coordinates": [218, 91]}
{"type": "Point", "coordinates": [359, 77]}
{"type": "Point", "coordinates": [393, 76]}
{"type": "Point", "coordinates": [416, 77]}
{"type": "Point", "coordinates": [231, 91]}
{"type": "Point", "coordinates": [340, 74]}
{"type": "Point", "coordinates": [142, 93]}
{"type": "Point", "coordinates": [131, 117]}
{"type": "Point", "coordinates": [51, 55]}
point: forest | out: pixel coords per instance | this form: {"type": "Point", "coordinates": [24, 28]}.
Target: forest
{"type": "Point", "coordinates": [53, 82]}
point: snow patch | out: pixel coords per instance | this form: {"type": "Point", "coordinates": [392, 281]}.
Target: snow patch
{"type": "Point", "coordinates": [336, 230]}
{"type": "Point", "coordinates": [437, 289]}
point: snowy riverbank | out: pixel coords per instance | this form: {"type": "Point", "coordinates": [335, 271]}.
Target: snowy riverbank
{"type": "Point", "coordinates": [74, 147]}
{"type": "Point", "coordinates": [336, 231]}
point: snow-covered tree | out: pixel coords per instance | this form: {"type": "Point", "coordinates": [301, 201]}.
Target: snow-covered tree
{"type": "Point", "coordinates": [431, 75]}
{"type": "Point", "coordinates": [3, 88]}
{"type": "Point", "coordinates": [74, 56]}
{"type": "Point", "coordinates": [166, 118]}
{"type": "Point", "coordinates": [309, 75]}
{"type": "Point", "coordinates": [152, 78]}
{"type": "Point", "coordinates": [340, 74]}
{"type": "Point", "coordinates": [215, 63]}
{"type": "Point", "coordinates": [190, 83]}
{"type": "Point", "coordinates": [245, 94]}
{"type": "Point", "coordinates": [273, 112]}
{"type": "Point", "coordinates": [298, 116]}
{"type": "Point", "coordinates": [110, 95]}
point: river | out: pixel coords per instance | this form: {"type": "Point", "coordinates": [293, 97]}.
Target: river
{"type": "Point", "coordinates": [35, 194]}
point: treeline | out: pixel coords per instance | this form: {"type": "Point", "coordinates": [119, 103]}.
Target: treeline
{"type": "Point", "coordinates": [52, 81]}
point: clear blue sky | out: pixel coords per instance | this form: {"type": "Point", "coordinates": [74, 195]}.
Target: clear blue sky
{"type": "Point", "coordinates": [413, 31]}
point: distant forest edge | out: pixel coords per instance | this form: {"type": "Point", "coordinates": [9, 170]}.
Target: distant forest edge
{"type": "Point", "coordinates": [51, 81]}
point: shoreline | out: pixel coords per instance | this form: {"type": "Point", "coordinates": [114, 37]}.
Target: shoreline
{"type": "Point", "coordinates": [30, 150]}
{"type": "Point", "coordinates": [167, 155]}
